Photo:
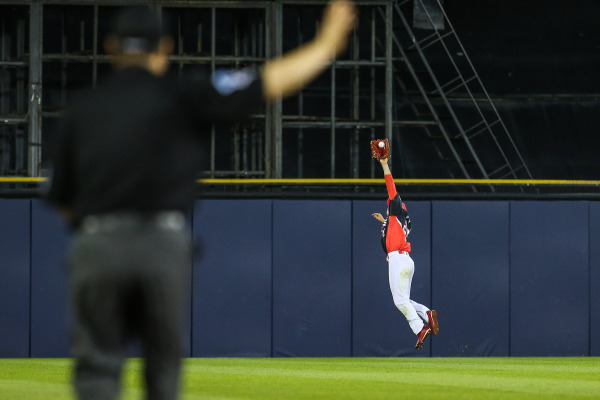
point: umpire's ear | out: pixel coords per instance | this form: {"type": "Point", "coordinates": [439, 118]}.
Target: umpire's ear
{"type": "Point", "coordinates": [166, 45]}
{"type": "Point", "coordinates": [111, 45]}
{"type": "Point", "coordinates": [158, 60]}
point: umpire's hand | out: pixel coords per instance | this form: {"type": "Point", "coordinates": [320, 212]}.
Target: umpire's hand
{"type": "Point", "coordinates": [338, 22]}
{"type": "Point", "coordinates": [294, 70]}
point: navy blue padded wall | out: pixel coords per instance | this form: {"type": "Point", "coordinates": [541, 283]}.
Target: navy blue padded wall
{"type": "Point", "coordinates": [232, 279]}
{"type": "Point", "coordinates": [594, 279]}
{"type": "Point", "coordinates": [14, 277]}
{"type": "Point", "coordinates": [49, 317]}
{"type": "Point", "coordinates": [312, 278]}
{"type": "Point", "coordinates": [378, 328]}
{"type": "Point", "coordinates": [470, 268]}
{"type": "Point", "coordinates": [549, 278]}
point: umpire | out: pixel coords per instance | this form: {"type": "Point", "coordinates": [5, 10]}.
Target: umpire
{"type": "Point", "coordinates": [124, 172]}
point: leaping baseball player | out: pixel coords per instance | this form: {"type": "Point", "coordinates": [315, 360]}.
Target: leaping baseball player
{"type": "Point", "coordinates": [394, 231]}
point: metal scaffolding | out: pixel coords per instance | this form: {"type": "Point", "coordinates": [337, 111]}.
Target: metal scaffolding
{"type": "Point", "coordinates": [469, 135]}
{"type": "Point", "coordinates": [14, 84]}
{"type": "Point", "coordinates": [64, 52]}
{"type": "Point", "coordinates": [50, 48]}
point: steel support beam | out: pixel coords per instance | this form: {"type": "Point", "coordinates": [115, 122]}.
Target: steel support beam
{"type": "Point", "coordinates": [332, 116]}
{"type": "Point", "coordinates": [165, 3]}
{"type": "Point", "coordinates": [389, 33]}
{"type": "Point", "coordinates": [194, 3]}
{"type": "Point", "coordinates": [35, 89]}
{"type": "Point", "coordinates": [273, 126]}
{"type": "Point", "coordinates": [213, 52]}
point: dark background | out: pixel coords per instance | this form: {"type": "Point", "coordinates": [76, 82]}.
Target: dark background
{"type": "Point", "coordinates": [540, 62]}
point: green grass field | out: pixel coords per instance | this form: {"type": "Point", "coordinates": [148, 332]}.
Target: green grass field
{"type": "Point", "coordinates": [334, 378]}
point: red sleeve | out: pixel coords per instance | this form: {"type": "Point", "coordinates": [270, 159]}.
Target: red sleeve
{"type": "Point", "coordinates": [391, 187]}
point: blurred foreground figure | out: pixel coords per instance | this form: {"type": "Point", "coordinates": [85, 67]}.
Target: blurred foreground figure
{"type": "Point", "coordinates": [125, 165]}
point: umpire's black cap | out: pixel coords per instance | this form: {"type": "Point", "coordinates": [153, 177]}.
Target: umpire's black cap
{"type": "Point", "coordinates": [138, 30]}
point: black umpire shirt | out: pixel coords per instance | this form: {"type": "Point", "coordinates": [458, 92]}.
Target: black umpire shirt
{"type": "Point", "coordinates": [133, 144]}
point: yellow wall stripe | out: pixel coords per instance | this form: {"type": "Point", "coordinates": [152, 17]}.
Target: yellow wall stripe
{"type": "Point", "coordinates": [557, 182]}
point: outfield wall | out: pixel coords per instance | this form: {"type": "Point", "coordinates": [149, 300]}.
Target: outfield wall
{"type": "Point", "coordinates": [308, 278]}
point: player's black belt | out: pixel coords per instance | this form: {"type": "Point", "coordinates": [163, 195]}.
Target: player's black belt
{"type": "Point", "coordinates": [121, 221]}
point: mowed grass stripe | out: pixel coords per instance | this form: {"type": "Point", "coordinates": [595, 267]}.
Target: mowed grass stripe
{"type": "Point", "coordinates": [441, 376]}
{"type": "Point", "coordinates": [334, 378]}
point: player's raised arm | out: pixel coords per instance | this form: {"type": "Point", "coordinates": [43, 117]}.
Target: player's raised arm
{"type": "Point", "coordinates": [294, 70]}
{"type": "Point", "coordinates": [385, 166]}
{"type": "Point", "coordinates": [389, 181]}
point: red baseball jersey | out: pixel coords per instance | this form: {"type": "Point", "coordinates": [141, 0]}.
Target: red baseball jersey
{"type": "Point", "coordinates": [397, 226]}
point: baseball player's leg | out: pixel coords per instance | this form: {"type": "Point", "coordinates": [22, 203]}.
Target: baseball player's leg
{"type": "Point", "coordinates": [401, 269]}
{"type": "Point", "coordinates": [428, 316]}
{"type": "Point", "coordinates": [421, 310]}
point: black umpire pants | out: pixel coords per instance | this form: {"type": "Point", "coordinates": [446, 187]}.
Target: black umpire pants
{"type": "Point", "coordinates": [128, 280]}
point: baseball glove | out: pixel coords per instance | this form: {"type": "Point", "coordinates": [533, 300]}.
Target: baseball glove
{"type": "Point", "coordinates": [380, 148]}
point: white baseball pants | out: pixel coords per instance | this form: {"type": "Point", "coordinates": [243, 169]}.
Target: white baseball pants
{"type": "Point", "coordinates": [401, 270]}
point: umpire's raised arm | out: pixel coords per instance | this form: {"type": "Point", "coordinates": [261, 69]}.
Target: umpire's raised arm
{"type": "Point", "coordinates": [286, 75]}
{"type": "Point", "coordinates": [235, 94]}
